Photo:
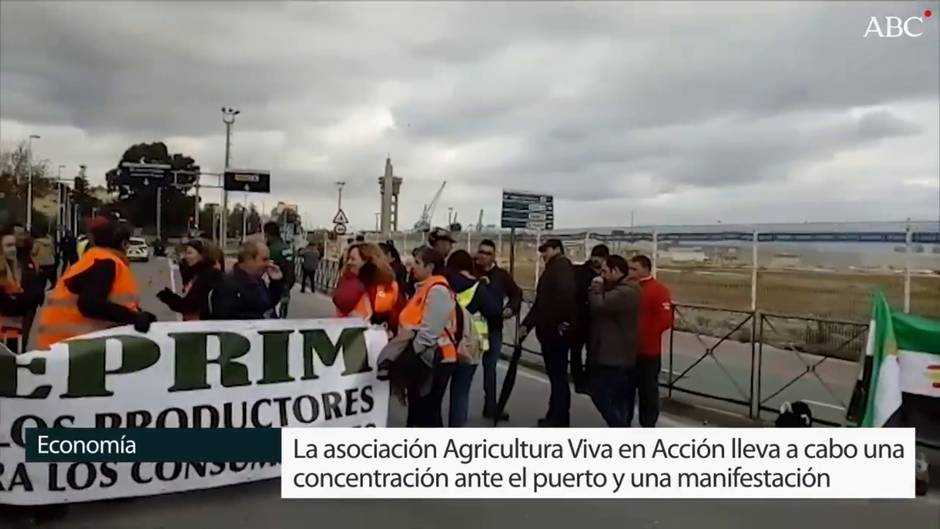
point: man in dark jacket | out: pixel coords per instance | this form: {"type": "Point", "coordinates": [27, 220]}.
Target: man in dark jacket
{"type": "Point", "coordinates": [510, 299]}
{"type": "Point", "coordinates": [282, 254]}
{"type": "Point", "coordinates": [614, 302]}
{"type": "Point", "coordinates": [551, 316]}
{"type": "Point", "coordinates": [584, 275]}
{"type": "Point", "coordinates": [243, 294]}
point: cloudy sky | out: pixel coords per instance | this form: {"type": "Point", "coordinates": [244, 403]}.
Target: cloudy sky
{"type": "Point", "coordinates": [680, 112]}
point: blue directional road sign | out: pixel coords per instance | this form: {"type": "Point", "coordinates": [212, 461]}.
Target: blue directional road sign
{"type": "Point", "coordinates": [526, 210]}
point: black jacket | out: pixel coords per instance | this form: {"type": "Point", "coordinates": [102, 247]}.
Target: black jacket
{"type": "Point", "coordinates": [240, 296]}
{"type": "Point", "coordinates": [583, 274]}
{"type": "Point", "coordinates": [504, 287]}
{"type": "Point", "coordinates": [205, 279]}
{"type": "Point", "coordinates": [555, 299]}
{"type": "Point", "coordinates": [92, 288]}
{"type": "Point", "coordinates": [484, 302]}
{"type": "Point", "coordinates": [25, 303]}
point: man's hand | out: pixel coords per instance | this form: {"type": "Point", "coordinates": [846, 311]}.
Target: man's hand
{"type": "Point", "coordinates": [274, 272]}
{"type": "Point", "coordinates": [165, 294]}
{"type": "Point", "coordinates": [507, 313]}
{"type": "Point", "coordinates": [143, 321]}
{"type": "Point", "coordinates": [563, 327]}
{"type": "Point", "coordinates": [484, 279]}
{"type": "Point", "coordinates": [523, 332]}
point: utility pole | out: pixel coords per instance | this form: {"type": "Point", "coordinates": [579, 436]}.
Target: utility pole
{"type": "Point", "coordinates": [228, 117]}
{"type": "Point", "coordinates": [58, 204]}
{"type": "Point", "coordinates": [159, 210]}
{"type": "Point", "coordinates": [377, 215]}
{"type": "Point", "coordinates": [245, 218]}
{"type": "Point", "coordinates": [339, 200]}
{"type": "Point", "coordinates": [29, 182]}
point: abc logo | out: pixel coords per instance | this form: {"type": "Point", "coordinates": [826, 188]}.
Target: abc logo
{"type": "Point", "coordinates": [893, 27]}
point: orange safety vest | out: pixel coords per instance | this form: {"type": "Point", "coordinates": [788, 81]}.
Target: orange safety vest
{"type": "Point", "coordinates": [11, 326]}
{"type": "Point", "coordinates": [60, 318]}
{"type": "Point", "coordinates": [385, 300]}
{"type": "Point", "coordinates": [413, 314]}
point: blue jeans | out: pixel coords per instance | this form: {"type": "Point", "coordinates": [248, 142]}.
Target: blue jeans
{"type": "Point", "coordinates": [610, 388]}
{"type": "Point", "coordinates": [460, 383]}
{"type": "Point", "coordinates": [490, 359]}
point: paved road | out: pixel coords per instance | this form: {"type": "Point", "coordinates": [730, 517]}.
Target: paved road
{"type": "Point", "coordinates": [258, 504]}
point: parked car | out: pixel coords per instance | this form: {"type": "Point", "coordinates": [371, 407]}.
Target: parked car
{"type": "Point", "coordinates": [138, 250]}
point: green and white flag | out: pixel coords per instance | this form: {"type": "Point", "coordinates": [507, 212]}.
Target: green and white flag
{"type": "Point", "coordinates": [904, 382]}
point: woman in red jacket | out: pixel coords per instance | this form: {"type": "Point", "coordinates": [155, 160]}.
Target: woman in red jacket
{"type": "Point", "coordinates": [367, 287]}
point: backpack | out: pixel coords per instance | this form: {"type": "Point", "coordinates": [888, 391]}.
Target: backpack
{"type": "Point", "coordinates": [467, 341]}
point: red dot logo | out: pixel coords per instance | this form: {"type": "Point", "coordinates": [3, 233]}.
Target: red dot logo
{"type": "Point", "coordinates": [927, 13]}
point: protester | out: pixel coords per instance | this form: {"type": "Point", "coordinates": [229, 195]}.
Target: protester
{"type": "Point", "coordinates": [655, 319]}
{"type": "Point", "coordinates": [551, 317]}
{"type": "Point", "coordinates": [483, 305]}
{"type": "Point", "coordinates": [367, 287]}
{"type": "Point", "coordinates": [431, 314]}
{"type": "Point", "coordinates": [68, 251]}
{"type": "Point", "coordinates": [585, 274]}
{"type": "Point", "coordinates": [44, 255]}
{"type": "Point", "coordinates": [394, 259]}
{"type": "Point", "coordinates": [98, 292]}
{"type": "Point", "coordinates": [242, 294]}
{"type": "Point", "coordinates": [310, 260]}
{"type": "Point", "coordinates": [282, 254]}
{"type": "Point", "coordinates": [22, 288]}
{"type": "Point", "coordinates": [441, 241]}
{"type": "Point", "coordinates": [205, 275]}
{"type": "Point", "coordinates": [614, 303]}
{"type": "Point", "coordinates": [509, 296]}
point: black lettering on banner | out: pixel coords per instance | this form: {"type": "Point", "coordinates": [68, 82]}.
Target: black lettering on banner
{"type": "Point", "coordinates": [109, 473]}
{"type": "Point", "coordinates": [18, 479]}
{"type": "Point", "coordinates": [139, 419]}
{"type": "Point", "coordinates": [314, 409]}
{"type": "Point", "coordinates": [135, 474]}
{"type": "Point", "coordinates": [255, 414]}
{"type": "Point", "coordinates": [80, 480]}
{"type": "Point", "coordinates": [228, 415]}
{"type": "Point", "coordinates": [181, 419]}
{"type": "Point", "coordinates": [274, 357]}
{"type": "Point", "coordinates": [331, 402]}
{"type": "Point", "coordinates": [21, 423]}
{"type": "Point", "coordinates": [351, 342]}
{"type": "Point", "coordinates": [87, 371]}
{"type": "Point", "coordinates": [175, 469]}
{"type": "Point", "coordinates": [54, 478]}
{"type": "Point", "coordinates": [367, 400]}
{"type": "Point", "coordinates": [8, 369]}
{"type": "Point", "coordinates": [282, 409]}
{"type": "Point", "coordinates": [192, 360]}
{"type": "Point", "coordinates": [107, 420]}
{"type": "Point", "coordinates": [351, 401]}
{"type": "Point", "coordinates": [213, 421]}
{"type": "Point", "coordinates": [217, 468]}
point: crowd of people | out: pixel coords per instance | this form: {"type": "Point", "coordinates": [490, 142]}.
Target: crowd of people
{"type": "Point", "coordinates": [444, 310]}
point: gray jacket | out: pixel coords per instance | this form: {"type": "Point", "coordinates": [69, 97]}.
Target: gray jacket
{"type": "Point", "coordinates": [615, 316]}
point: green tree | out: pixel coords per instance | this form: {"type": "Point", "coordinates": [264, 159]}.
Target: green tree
{"type": "Point", "coordinates": [14, 178]}
{"type": "Point", "coordinates": [137, 201]}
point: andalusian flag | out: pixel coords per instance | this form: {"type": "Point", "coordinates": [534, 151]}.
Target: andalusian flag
{"type": "Point", "coordinates": [904, 376]}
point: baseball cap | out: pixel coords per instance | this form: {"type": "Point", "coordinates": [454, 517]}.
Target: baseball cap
{"type": "Point", "coordinates": [550, 243]}
{"type": "Point", "coordinates": [440, 234]}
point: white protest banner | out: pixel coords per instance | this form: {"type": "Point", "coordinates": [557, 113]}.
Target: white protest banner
{"type": "Point", "coordinates": [220, 374]}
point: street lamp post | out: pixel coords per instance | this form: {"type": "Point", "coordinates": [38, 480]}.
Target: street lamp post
{"type": "Point", "coordinates": [29, 181]}
{"type": "Point", "coordinates": [58, 203]}
{"type": "Point", "coordinates": [228, 117]}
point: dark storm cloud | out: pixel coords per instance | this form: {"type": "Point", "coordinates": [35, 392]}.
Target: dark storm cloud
{"type": "Point", "coordinates": [591, 101]}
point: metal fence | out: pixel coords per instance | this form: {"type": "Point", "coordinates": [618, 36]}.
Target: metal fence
{"type": "Point", "coordinates": [749, 270]}
{"type": "Point", "coordinates": [747, 361]}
